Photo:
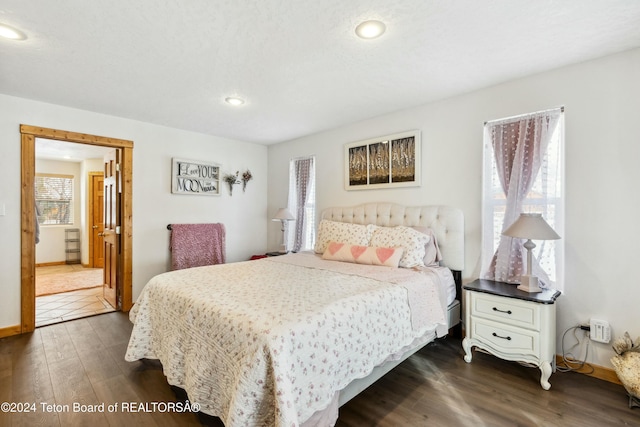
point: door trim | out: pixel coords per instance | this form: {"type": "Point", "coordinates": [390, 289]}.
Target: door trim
{"type": "Point", "coordinates": [28, 135]}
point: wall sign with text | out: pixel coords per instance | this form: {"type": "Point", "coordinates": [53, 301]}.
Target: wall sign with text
{"type": "Point", "coordinates": [195, 177]}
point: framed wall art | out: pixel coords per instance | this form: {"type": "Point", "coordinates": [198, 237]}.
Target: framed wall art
{"type": "Point", "coordinates": [195, 177]}
{"type": "Point", "coordinates": [383, 162]}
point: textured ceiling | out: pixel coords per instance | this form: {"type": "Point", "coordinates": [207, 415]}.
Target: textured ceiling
{"type": "Point", "coordinates": [68, 151]}
{"type": "Point", "coordinates": [297, 63]}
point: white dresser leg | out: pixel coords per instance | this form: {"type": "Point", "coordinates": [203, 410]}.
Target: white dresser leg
{"type": "Point", "coordinates": [545, 369]}
{"type": "Point", "coordinates": [466, 345]}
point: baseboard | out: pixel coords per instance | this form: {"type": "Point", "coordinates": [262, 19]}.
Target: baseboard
{"type": "Point", "coordinates": [50, 264]}
{"type": "Point", "coordinates": [600, 372]}
{"type": "Point", "coordinates": [10, 331]}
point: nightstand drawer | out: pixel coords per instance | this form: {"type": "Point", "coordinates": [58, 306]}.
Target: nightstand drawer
{"type": "Point", "coordinates": [505, 339]}
{"type": "Point", "coordinates": [506, 311]}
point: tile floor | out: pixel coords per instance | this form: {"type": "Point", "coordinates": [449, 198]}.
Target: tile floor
{"type": "Point", "coordinates": [65, 306]}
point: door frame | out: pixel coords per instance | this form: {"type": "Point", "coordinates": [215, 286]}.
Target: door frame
{"type": "Point", "coordinates": [28, 135]}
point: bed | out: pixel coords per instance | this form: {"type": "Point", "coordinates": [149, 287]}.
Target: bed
{"type": "Point", "coordinates": [286, 340]}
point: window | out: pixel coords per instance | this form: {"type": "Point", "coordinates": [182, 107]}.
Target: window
{"type": "Point", "coordinates": [537, 174]}
{"type": "Point", "coordinates": [54, 198]}
{"type": "Point", "coordinates": [302, 203]}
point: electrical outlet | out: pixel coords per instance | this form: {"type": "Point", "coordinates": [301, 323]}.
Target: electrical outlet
{"type": "Point", "coordinates": [600, 331]}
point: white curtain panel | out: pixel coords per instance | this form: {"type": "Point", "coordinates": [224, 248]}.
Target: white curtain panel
{"type": "Point", "coordinates": [301, 182]}
{"type": "Point", "coordinates": [519, 146]}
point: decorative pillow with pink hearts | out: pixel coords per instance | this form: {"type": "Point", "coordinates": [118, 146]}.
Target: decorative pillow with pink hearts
{"type": "Point", "coordinates": [369, 255]}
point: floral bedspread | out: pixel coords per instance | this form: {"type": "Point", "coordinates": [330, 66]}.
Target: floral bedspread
{"type": "Point", "coordinates": [269, 342]}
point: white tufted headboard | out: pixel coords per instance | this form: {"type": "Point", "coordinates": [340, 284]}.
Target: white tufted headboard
{"type": "Point", "coordinates": [446, 222]}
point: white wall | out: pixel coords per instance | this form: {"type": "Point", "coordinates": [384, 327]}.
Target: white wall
{"type": "Point", "coordinates": [602, 103]}
{"type": "Point", "coordinates": [244, 214]}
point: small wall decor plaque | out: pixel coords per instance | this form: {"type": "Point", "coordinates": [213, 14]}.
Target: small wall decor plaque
{"type": "Point", "coordinates": [195, 177]}
{"type": "Point", "coordinates": [383, 162]}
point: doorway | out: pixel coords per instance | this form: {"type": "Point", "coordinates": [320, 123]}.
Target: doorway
{"type": "Point", "coordinates": [123, 283]}
{"type": "Point", "coordinates": [69, 262]}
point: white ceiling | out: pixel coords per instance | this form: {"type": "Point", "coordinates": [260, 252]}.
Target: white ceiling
{"type": "Point", "coordinates": [297, 63]}
{"type": "Point", "coordinates": [68, 151]}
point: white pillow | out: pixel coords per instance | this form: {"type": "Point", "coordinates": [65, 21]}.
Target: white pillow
{"type": "Point", "coordinates": [432, 254]}
{"type": "Point", "coordinates": [411, 240]}
{"type": "Point", "coordinates": [333, 231]}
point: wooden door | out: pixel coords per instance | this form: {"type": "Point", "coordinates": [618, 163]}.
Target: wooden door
{"type": "Point", "coordinates": [97, 220]}
{"type": "Point", "coordinates": [111, 231]}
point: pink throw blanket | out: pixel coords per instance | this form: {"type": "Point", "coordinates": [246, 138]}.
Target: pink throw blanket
{"type": "Point", "coordinates": [195, 245]}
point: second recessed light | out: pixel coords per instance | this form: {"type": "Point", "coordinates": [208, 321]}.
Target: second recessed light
{"type": "Point", "coordinates": [370, 29]}
{"type": "Point", "coordinates": [234, 101]}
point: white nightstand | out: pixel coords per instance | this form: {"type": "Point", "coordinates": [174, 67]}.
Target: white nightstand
{"type": "Point", "coordinates": [511, 324]}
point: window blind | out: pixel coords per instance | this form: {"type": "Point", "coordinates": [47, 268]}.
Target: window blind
{"type": "Point", "coordinates": [54, 198]}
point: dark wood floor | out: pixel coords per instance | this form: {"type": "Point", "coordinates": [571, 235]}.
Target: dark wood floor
{"type": "Point", "coordinates": [82, 362]}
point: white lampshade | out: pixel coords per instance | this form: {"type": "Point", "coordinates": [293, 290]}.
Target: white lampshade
{"type": "Point", "coordinates": [283, 214]}
{"type": "Point", "coordinates": [531, 226]}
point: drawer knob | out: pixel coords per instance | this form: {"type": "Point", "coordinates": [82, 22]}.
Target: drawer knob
{"type": "Point", "coordinates": [504, 338]}
{"type": "Point", "coordinates": [501, 311]}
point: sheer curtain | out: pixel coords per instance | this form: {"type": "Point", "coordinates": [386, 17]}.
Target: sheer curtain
{"type": "Point", "coordinates": [516, 148]}
{"type": "Point", "coordinates": [302, 203]}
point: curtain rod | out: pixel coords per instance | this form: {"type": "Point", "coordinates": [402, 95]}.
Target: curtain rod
{"type": "Point", "coordinates": [524, 115]}
{"type": "Point", "coordinates": [303, 157]}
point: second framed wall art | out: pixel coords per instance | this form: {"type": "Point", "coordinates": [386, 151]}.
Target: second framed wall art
{"type": "Point", "coordinates": [383, 162]}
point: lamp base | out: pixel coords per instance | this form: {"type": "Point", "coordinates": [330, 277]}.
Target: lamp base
{"type": "Point", "coordinates": [529, 284]}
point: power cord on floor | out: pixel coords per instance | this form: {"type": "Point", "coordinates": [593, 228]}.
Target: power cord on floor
{"type": "Point", "coordinates": [569, 362]}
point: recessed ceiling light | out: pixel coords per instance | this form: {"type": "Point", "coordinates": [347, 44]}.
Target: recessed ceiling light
{"type": "Point", "coordinates": [11, 33]}
{"type": "Point", "coordinates": [234, 100]}
{"type": "Point", "coordinates": [370, 29]}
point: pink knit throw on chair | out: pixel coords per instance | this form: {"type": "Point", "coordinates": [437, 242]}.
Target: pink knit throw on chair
{"type": "Point", "coordinates": [195, 245]}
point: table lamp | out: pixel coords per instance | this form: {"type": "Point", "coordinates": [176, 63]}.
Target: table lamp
{"type": "Point", "coordinates": [530, 226]}
{"type": "Point", "coordinates": [283, 215]}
